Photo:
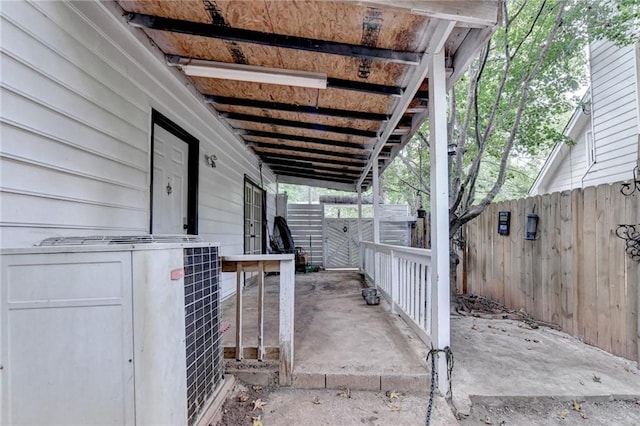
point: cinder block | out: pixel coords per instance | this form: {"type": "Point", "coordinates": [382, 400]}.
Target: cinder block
{"type": "Point", "coordinates": [353, 381]}
{"type": "Point", "coordinates": [406, 383]}
{"type": "Point", "coordinates": [309, 381]}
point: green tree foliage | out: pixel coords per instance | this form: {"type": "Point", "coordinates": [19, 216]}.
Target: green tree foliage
{"type": "Point", "coordinates": [511, 106]}
{"type": "Point", "coordinates": [615, 20]}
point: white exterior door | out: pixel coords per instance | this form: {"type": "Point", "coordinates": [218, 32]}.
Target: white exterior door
{"type": "Point", "coordinates": [170, 171]}
{"type": "Point", "coordinates": [252, 219]}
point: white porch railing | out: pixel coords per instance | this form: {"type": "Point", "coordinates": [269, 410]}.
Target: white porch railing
{"type": "Point", "coordinates": [403, 277]}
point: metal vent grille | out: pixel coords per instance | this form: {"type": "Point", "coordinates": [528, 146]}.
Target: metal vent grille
{"type": "Point", "coordinates": [96, 240]}
{"type": "Point", "coordinates": [202, 320]}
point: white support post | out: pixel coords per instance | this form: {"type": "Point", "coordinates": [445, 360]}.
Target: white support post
{"type": "Point", "coordinates": [287, 303]}
{"type": "Point", "coordinates": [439, 213]}
{"type": "Point", "coordinates": [360, 228]}
{"type": "Point", "coordinates": [261, 351]}
{"type": "Point", "coordinates": [239, 350]}
{"type": "Point", "coordinates": [376, 201]}
{"type": "Point", "coordinates": [376, 220]}
{"type": "Point", "coordinates": [359, 213]}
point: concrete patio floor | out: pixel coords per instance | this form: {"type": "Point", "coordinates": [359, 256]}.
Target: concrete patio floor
{"type": "Point", "coordinates": [340, 342]}
{"type": "Point", "coordinates": [504, 361]}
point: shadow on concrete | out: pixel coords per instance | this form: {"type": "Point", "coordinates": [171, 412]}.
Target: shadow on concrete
{"type": "Point", "coordinates": [341, 342]}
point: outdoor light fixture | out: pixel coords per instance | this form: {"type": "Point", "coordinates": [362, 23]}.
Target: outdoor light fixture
{"type": "Point", "coordinates": [532, 225]}
{"type": "Point", "coordinates": [251, 73]}
{"type": "Point", "coordinates": [211, 160]}
{"type": "Point", "coordinates": [421, 211]}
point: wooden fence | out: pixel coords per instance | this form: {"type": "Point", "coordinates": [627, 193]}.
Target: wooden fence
{"type": "Point", "coordinates": [575, 274]}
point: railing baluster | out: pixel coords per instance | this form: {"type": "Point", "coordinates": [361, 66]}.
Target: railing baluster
{"type": "Point", "coordinates": [403, 276]}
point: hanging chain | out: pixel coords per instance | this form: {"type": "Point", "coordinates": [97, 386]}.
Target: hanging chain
{"type": "Point", "coordinates": [449, 396]}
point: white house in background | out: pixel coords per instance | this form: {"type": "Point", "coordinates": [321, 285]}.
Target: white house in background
{"type": "Point", "coordinates": [605, 127]}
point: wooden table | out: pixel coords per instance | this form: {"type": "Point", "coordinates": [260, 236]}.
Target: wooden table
{"type": "Point", "coordinates": [261, 263]}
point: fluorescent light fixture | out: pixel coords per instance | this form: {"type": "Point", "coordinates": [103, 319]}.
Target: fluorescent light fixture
{"type": "Point", "coordinates": [241, 72]}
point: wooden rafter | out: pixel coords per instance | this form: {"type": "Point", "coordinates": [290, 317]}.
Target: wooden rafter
{"type": "Point", "coordinates": [305, 109]}
{"type": "Point", "coordinates": [270, 39]}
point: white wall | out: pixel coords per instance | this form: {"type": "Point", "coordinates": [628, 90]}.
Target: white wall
{"type": "Point", "coordinates": [570, 165]}
{"type": "Point", "coordinates": [615, 112]}
{"type": "Point", "coordinates": [78, 86]}
{"type": "Point", "coordinates": [614, 119]}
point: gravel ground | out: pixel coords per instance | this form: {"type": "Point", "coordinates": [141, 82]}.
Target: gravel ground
{"type": "Point", "coordinates": [551, 413]}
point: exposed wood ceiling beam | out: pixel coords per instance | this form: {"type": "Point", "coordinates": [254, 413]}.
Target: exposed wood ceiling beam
{"type": "Point", "coordinates": [296, 138]}
{"type": "Point", "coordinates": [303, 109]}
{"type": "Point", "coordinates": [305, 165]}
{"type": "Point", "coordinates": [361, 86]}
{"type": "Point", "coordinates": [297, 124]}
{"type": "Point", "coordinates": [326, 151]}
{"type": "Point", "coordinates": [314, 160]}
{"type": "Point", "coordinates": [269, 39]}
{"type": "Point", "coordinates": [313, 176]}
{"type": "Point", "coordinates": [315, 171]}
{"type": "Point", "coordinates": [315, 182]}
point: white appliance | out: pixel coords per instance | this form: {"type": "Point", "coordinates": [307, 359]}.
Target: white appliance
{"type": "Point", "coordinates": [110, 331]}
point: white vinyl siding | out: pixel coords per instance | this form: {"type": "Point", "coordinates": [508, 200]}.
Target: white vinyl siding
{"type": "Point", "coordinates": [568, 174]}
{"type": "Point", "coordinates": [569, 164]}
{"type": "Point", "coordinates": [615, 113]}
{"type": "Point", "coordinates": [78, 86]}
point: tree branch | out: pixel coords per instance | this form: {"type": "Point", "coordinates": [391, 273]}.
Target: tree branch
{"type": "Point", "coordinates": [476, 210]}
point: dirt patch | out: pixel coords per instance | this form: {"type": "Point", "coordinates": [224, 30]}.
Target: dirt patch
{"type": "Point", "coordinates": [470, 305]}
{"type": "Point", "coordinates": [549, 412]}
{"type": "Point", "coordinates": [244, 405]}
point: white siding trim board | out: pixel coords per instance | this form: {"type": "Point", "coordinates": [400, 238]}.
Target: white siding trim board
{"type": "Point", "coordinates": [93, 186]}
{"type": "Point", "coordinates": [81, 58]}
{"type": "Point", "coordinates": [614, 123]}
{"type": "Point", "coordinates": [38, 147]}
{"type": "Point", "coordinates": [18, 106]}
{"type": "Point", "coordinates": [613, 100]}
{"type": "Point", "coordinates": [616, 153]}
{"type": "Point", "coordinates": [606, 74]}
{"type": "Point", "coordinates": [70, 104]}
{"type": "Point", "coordinates": [613, 136]}
{"type": "Point", "coordinates": [67, 75]}
{"type": "Point", "coordinates": [72, 200]}
{"type": "Point", "coordinates": [58, 212]}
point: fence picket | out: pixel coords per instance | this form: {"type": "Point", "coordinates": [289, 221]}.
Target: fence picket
{"type": "Point", "coordinates": [589, 295]}
{"type": "Point", "coordinates": [603, 212]}
{"type": "Point", "coordinates": [576, 274]}
{"type": "Point", "coordinates": [617, 291]}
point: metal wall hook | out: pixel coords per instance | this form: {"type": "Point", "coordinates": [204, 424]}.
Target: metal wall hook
{"type": "Point", "coordinates": [631, 235]}
{"type": "Point", "coordinates": [629, 188]}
